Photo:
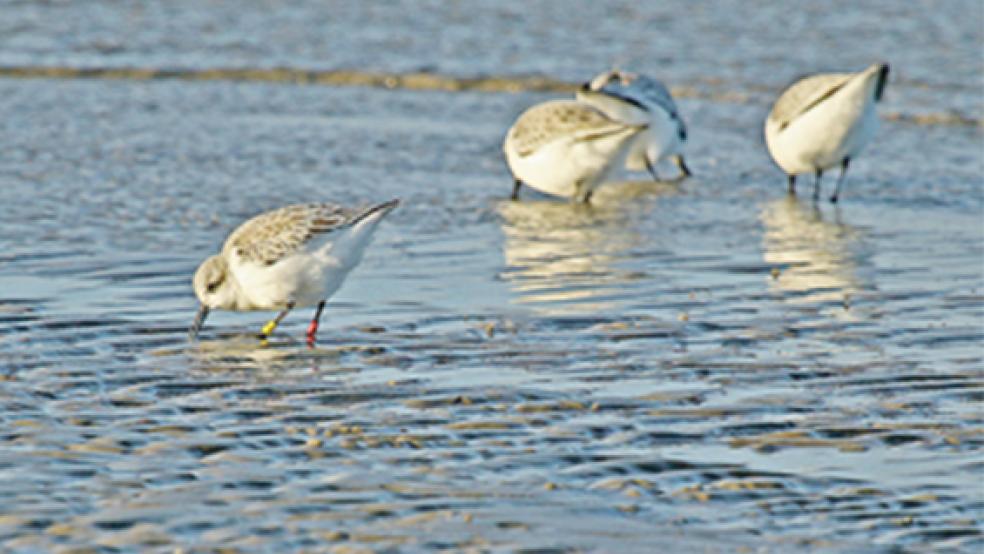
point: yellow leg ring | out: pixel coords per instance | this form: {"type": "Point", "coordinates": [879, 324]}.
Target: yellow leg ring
{"type": "Point", "coordinates": [269, 327]}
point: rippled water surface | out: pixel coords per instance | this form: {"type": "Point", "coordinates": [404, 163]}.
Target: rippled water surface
{"type": "Point", "coordinates": [707, 366]}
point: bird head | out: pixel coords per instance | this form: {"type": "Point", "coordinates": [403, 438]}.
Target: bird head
{"type": "Point", "coordinates": [214, 289]}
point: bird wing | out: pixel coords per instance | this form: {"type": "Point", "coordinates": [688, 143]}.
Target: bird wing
{"type": "Point", "coordinates": [804, 95]}
{"type": "Point", "coordinates": [657, 94]}
{"type": "Point", "coordinates": [550, 121]}
{"type": "Point", "coordinates": [652, 92]}
{"type": "Point", "coordinates": [274, 235]}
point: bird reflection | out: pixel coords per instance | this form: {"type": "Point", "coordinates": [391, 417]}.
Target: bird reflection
{"type": "Point", "coordinates": [817, 258]}
{"type": "Point", "coordinates": [563, 258]}
{"type": "Point", "coordinates": [235, 352]}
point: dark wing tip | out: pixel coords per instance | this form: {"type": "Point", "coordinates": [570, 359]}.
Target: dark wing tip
{"type": "Point", "coordinates": [882, 80]}
{"type": "Point", "coordinates": [384, 207]}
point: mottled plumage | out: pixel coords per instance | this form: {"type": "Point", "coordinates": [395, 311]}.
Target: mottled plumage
{"type": "Point", "coordinates": [271, 236]}
{"type": "Point", "coordinates": [550, 121]}
{"type": "Point", "coordinates": [565, 148]}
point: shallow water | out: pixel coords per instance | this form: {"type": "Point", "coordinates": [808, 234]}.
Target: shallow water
{"type": "Point", "coordinates": [704, 366]}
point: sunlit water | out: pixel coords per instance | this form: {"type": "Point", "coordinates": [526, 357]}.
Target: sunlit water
{"type": "Point", "coordinates": [702, 366]}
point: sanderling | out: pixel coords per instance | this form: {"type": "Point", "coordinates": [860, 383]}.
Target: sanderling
{"type": "Point", "coordinates": [565, 148]}
{"type": "Point", "coordinates": [634, 99]}
{"type": "Point", "coordinates": [824, 120]}
{"type": "Point", "coordinates": [285, 258]}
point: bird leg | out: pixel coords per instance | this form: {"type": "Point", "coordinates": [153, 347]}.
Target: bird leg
{"type": "Point", "coordinates": [651, 169]}
{"type": "Point", "coordinates": [791, 184]}
{"type": "Point", "coordinates": [515, 192]}
{"type": "Point", "coordinates": [272, 324]}
{"type": "Point", "coordinates": [580, 195]}
{"type": "Point", "coordinates": [313, 327]}
{"type": "Point", "coordinates": [816, 185]}
{"type": "Point", "coordinates": [684, 170]}
{"type": "Point", "coordinates": [840, 180]}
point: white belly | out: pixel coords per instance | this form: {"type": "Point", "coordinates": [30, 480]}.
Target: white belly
{"type": "Point", "coordinates": [304, 279]}
{"type": "Point", "coordinates": [569, 168]}
{"type": "Point", "coordinates": [824, 136]}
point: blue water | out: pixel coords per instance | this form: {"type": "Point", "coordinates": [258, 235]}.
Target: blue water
{"type": "Point", "coordinates": [692, 367]}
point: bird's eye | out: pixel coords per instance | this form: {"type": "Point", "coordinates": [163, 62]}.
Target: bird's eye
{"type": "Point", "coordinates": [213, 286]}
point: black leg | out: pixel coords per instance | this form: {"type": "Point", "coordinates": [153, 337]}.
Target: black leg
{"type": "Point", "coordinates": [580, 194]}
{"type": "Point", "coordinates": [651, 170]}
{"type": "Point", "coordinates": [516, 187]}
{"type": "Point", "coordinates": [684, 170]}
{"type": "Point", "coordinates": [840, 180]}
{"type": "Point", "coordinates": [791, 184]}
{"type": "Point", "coordinates": [272, 324]}
{"type": "Point", "coordinates": [313, 327]}
{"type": "Point", "coordinates": [816, 184]}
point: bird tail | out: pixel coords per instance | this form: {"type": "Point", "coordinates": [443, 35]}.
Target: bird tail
{"type": "Point", "coordinates": [882, 80]}
{"type": "Point", "coordinates": [384, 207]}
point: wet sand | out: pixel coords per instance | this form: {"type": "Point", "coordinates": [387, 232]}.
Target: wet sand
{"type": "Point", "coordinates": [708, 366]}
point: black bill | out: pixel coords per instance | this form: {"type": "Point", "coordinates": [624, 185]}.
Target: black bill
{"type": "Point", "coordinates": [199, 321]}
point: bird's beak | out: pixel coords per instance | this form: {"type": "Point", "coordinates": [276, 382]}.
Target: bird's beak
{"type": "Point", "coordinates": [199, 321]}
